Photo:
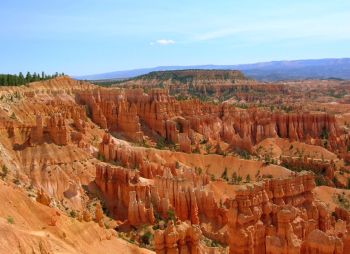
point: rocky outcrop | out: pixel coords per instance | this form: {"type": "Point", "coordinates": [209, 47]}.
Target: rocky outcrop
{"type": "Point", "coordinates": [319, 242]}
{"type": "Point", "coordinates": [43, 198]}
{"type": "Point", "coordinates": [57, 130]}
{"type": "Point", "coordinates": [138, 213]}
{"type": "Point", "coordinates": [126, 111]}
{"type": "Point", "coordinates": [111, 111]}
{"type": "Point", "coordinates": [52, 124]}
{"type": "Point", "coordinates": [117, 184]}
{"type": "Point", "coordinates": [342, 214]}
{"type": "Point", "coordinates": [279, 214]}
{"type": "Point", "coordinates": [180, 238]}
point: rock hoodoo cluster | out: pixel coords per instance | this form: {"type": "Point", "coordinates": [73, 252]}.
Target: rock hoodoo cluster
{"type": "Point", "coordinates": [272, 216]}
{"type": "Point", "coordinates": [175, 167]}
{"type": "Point", "coordinates": [179, 121]}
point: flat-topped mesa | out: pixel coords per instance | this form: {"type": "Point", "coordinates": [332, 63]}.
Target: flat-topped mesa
{"type": "Point", "coordinates": [180, 238]}
{"type": "Point", "coordinates": [278, 214]}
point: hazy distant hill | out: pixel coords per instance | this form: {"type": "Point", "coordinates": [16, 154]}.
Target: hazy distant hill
{"type": "Point", "coordinates": [266, 71]}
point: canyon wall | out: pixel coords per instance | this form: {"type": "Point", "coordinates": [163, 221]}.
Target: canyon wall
{"type": "Point", "coordinates": [178, 121]}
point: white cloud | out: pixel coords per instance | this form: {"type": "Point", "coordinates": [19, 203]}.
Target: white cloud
{"type": "Point", "coordinates": [163, 42]}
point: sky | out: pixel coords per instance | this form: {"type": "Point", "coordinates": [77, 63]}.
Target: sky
{"type": "Point", "coordinates": [80, 37]}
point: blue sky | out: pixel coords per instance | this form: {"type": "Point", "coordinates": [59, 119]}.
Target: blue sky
{"type": "Point", "coordinates": [94, 36]}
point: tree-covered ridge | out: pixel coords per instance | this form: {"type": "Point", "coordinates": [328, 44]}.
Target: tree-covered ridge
{"type": "Point", "coordinates": [20, 79]}
{"type": "Point", "coordinates": [184, 76]}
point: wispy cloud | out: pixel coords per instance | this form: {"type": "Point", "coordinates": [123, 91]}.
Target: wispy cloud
{"type": "Point", "coordinates": [332, 26]}
{"type": "Point", "coordinates": [163, 42]}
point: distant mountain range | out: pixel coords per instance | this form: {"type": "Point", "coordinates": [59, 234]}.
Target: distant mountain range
{"type": "Point", "coordinates": [337, 68]}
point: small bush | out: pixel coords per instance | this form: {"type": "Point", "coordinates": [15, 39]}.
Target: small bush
{"type": "Point", "coordinates": [161, 143]}
{"type": "Point", "coordinates": [100, 157]}
{"type": "Point", "coordinates": [72, 214]}
{"type": "Point", "coordinates": [10, 220]}
{"type": "Point", "coordinates": [13, 116]}
{"type": "Point", "coordinates": [319, 180]}
{"type": "Point", "coordinates": [146, 238]}
{"type": "Point", "coordinates": [4, 172]}
{"type": "Point", "coordinates": [171, 215]}
{"type": "Point", "coordinates": [198, 170]}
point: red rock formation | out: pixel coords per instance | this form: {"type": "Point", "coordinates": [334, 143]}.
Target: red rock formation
{"type": "Point", "coordinates": [138, 213]}
{"type": "Point", "coordinates": [319, 242]}
{"type": "Point", "coordinates": [43, 198]}
{"type": "Point", "coordinates": [58, 131]}
{"type": "Point", "coordinates": [284, 211]}
{"type": "Point", "coordinates": [174, 120]}
{"type": "Point", "coordinates": [342, 214]}
{"type": "Point", "coordinates": [181, 238]}
{"type": "Point", "coordinates": [98, 213]}
{"type": "Point", "coordinates": [121, 189]}
{"type": "Point", "coordinates": [37, 132]}
{"type": "Point", "coordinates": [86, 216]}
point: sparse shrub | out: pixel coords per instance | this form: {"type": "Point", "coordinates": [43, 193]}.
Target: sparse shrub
{"type": "Point", "coordinates": [198, 170]}
{"type": "Point", "coordinates": [160, 143]}
{"type": "Point", "coordinates": [324, 133]}
{"type": "Point", "coordinates": [224, 175]}
{"type": "Point", "coordinates": [247, 178]}
{"type": "Point", "coordinates": [207, 148]}
{"type": "Point", "coordinates": [267, 176]}
{"type": "Point", "coordinates": [16, 181]}
{"type": "Point", "coordinates": [100, 157]}
{"type": "Point", "coordinates": [13, 116]}
{"type": "Point", "coordinates": [243, 153]}
{"type": "Point", "coordinates": [146, 238]}
{"type": "Point", "coordinates": [343, 201]}
{"type": "Point", "coordinates": [171, 215]}
{"type": "Point", "coordinates": [10, 220]}
{"type": "Point", "coordinates": [319, 180]}
{"type": "Point", "coordinates": [214, 244]}
{"type": "Point", "coordinates": [196, 150]}
{"type": "Point", "coordinates": [155, 227]}
{"type": "Point", "coordinates": [72, 214]}
{"type": "Point", "coordinates": [4, 172]}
